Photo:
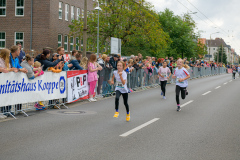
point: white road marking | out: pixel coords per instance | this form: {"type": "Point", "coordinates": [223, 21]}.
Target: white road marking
{"type": "Point", "coordinates": [139, 127]}
{"type": "Point", "coordinates": [206, 93]}
{"type": "Point", "coordinates": [217, 87]}
{"type": "Point", "coordinates": [230, 81]}
{"type": "Point", "coordinates": [186, 103]}
{"type": "Point", "coordinates": [225, 83]}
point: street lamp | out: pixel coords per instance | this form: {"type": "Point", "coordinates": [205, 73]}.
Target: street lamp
{"type": "Point", "coordinates": [210, 45]}
{"type": "Point", "coordinates": [98, 9]}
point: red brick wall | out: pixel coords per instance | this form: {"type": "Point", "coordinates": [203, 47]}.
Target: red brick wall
{"type": "Point", "coordinates": [46, 23]}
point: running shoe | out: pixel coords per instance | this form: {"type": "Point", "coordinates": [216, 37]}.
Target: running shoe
{"type": "Point", "coordinates": [164, 97]}
{"type": "Point", "coordinates": [41, 104]}
{"type": "Point", "coordinates": [116, 115]}
{"type": "Point", "coordinates": [161, 93]}
{"type": "Point", "coordinates": [128, 117]}
{"type": "Point", "coordinates": [178, 108]}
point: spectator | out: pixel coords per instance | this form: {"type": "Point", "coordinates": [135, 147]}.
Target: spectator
{"type": "Point", "coordinates": [113, 61]}
{"type": "Point", "coordinates": [93, 67]}
{"type": "Point", "coordinates": [43, 59]}
{"type": "Point", "coordinates": [132, 57]}
{"type": "Point", "coordinates": [22, 53]}
{"type": "Point", "coordinates": [125, 63]}
{"type": "Point", "coordinates": [14, 61]}
{"type": "Point", "coordinates": [61, 52]}
{"type": "Point", "coordinates": [84, 63]}
{"type": "Point", "coordinates": [101, 73]}
{"type": "Point", "coordinates": [75, 61]}
{"type": "Point", "coordinates": [28, 63]}
{"type": "Point", "coordinates": [108, 68]}
{"type": "Point", "coordinates": [37, 65]}
{"type": "Point", "coordinates": [5, 67]}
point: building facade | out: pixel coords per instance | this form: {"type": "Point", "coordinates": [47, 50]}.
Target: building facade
{"type": "Point", "coordinates": [212, 48]}
{"type": "Point", "coordinates": [40, 23]}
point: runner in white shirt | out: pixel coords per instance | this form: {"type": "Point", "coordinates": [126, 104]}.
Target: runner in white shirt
{"type": "Point", "coordinates": [121, 88]}
{"type": "Point", "coordinates": [181, 75]}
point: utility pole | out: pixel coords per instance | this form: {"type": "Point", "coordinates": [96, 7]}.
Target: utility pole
{"type": "Point", "coordinates": [222, 54]}
{"type": "Point", "coordinates": [85, 29]}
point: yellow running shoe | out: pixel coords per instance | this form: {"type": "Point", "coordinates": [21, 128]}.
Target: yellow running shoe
{"type": "Point", "coordinates": [41, 104]}
{"type": "Point", "coordinates": [116, 115]}
{"type": "Point", "coordinates": [128, 117]}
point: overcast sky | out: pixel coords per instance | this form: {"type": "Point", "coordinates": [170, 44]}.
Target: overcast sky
{"type": "Point", "coordinates": [223, 14]}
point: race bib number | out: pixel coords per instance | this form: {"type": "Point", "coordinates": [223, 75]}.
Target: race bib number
{"type": "Point", "coordinates": [119, 84]}
{"type": "Point", "coordinates": [178, 81]}
{"type": "Point", "coordinates": [164, 74]}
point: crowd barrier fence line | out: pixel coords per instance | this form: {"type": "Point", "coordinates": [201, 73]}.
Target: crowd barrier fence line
{"type": "Point", "coordinates": [137, 79]}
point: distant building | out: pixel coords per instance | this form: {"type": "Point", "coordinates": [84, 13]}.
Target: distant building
{"type": "Point", "coordinates": [40, 23]}
{"type": "Point", "coordinates": [212, 48]}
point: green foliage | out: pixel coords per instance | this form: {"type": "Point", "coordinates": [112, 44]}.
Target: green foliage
{"type": "Point", "coordinates": [135, 23]}
{"type": "Point", "coordinates": [181, 32]}
{"type": "Point", "coordinates": [221, 51]}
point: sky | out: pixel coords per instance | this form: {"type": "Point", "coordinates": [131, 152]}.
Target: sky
{"type": "Point", "coordinates": [212, 16]}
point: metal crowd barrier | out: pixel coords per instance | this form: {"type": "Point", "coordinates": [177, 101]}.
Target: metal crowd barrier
{"type": "Point", "coordinates": [143, 79]}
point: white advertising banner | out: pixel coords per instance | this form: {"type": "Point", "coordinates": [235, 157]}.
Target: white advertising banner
{"type": "Point", "coordinates": [77, 85]}
{"type": "Point", "coordinates": [16, 88]}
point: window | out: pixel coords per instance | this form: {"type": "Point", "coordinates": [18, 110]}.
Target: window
{"type": "Point", "coordinates": [19, 37]}
{"type": "Point", "coordinates": [2, 39]}
{"type": "Point", "coordinates": [2, 7]}
{"type": "Point", "coordinates": [77, 44]}
{"type": "Point", "coordinates": [82, 13]}
{"type": "Point", "coordinates": [72, 13]}
{"type": "Point", "coordinates": [71, 44]}
{"type": "Point", "coordinates": [66, 11]}
{"type": "Point", "coordinates": [60, 10]}
{"type": "Point", "coordinates": [78, 13]}
{"type": "Point", "coordinates": [81, 44]}
{"type": "Point", "coordinates": [66, 43]}
{"type": "Point", "coordinates": [59, 40]}
{"type": "Point", "coordinates": [19, 8]}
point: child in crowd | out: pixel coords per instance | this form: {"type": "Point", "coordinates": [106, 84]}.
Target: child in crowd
{"type": "Point", "coordinates": [164, 74]}
{"type": "Point", "coordinates": [37, 65]}
{"type": "Point", "coordinates": [121, 88]}
{"type": "Point", "coordinates": [93, 67]}
{"type": "Point", "coordinates": [84, 63]}
{"type": "Point", "coordinates": [181, 75]}
{"type": "Point", "coordinates": [39, 105]}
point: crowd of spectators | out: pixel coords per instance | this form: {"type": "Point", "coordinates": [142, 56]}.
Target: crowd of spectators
{"type": "Point", "coordinates": [99, 68]}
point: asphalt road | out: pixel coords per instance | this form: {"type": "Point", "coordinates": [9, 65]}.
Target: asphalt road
{"type": "Point", "coordinates": [207, 128]}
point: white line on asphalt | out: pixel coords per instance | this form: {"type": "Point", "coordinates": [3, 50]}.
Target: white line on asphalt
{"type": "Point", "coordinates": [139, 127]}
{"type": "Point", "coordinates": [186, 103]}
{"type": "Point", "coordinates": [217, 87]}
{"type": "Point", "coordinates": [230, 81]}
{"type": "Point", "coordinates": [206, 93]}
{"type": "Point", "coordinates": [225, 83]}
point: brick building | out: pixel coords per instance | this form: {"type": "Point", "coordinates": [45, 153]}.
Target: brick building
{"type": "Point", "coordinates": [40, 23]}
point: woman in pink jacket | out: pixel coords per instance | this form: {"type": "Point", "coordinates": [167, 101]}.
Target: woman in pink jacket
{"type": "Point", "coordinates": [93, 67]}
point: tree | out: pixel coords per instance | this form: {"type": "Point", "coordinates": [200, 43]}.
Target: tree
{"type": "Point", "coordinates": [220, 49]}
{"type": "Point", "coordinates": [181, 32]}
{"type": "Point", "coordinates": [135, 23]}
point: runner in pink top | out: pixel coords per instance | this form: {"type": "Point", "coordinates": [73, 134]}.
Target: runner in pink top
{"type": "Point", "coordinates": [181, 75]}
{"type": "Point", "coordinates": [164, 74]}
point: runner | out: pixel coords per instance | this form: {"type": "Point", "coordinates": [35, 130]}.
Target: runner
{"type": "Point", "coordinates": [234, 71]}
{"type": "Point", "coordinates": [239, 70]}
{"type": "Point", "coordinates": [163, 77]}
{"type": "Point", "coordinates": [121, 88]}
{"type": "Point", "coordinates": [181, 75]}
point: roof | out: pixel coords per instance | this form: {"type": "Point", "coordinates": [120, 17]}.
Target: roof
{"type": "Point", "coordinates": [216, 42]}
